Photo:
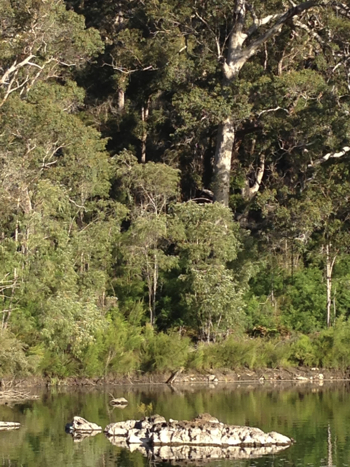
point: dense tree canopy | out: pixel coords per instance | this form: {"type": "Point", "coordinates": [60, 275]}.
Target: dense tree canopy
{"type": "Point", "coordinates": [170, 167]}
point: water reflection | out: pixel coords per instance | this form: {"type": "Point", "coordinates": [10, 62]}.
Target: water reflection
{"type": "Point", "coordinates": [316, 417]}
{"type": "Point", "coordinates": [200, 454]}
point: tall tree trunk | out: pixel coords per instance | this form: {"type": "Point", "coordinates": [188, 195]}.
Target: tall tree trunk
{"type": "Point", "coordinates": [121, 100]}
{"type": "Point", "coordinates": [223, 156]}
{"type": "Point", "coordinates": [155, 286]}
{"type": "Point", "coordinates": [144, 118]}
{"type": "Point", "coordinates": [238, 53]}
{"type": "Point", "coordinates": [152, 280]}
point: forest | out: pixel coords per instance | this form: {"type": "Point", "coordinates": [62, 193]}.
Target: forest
{"type": "Point", "coordinates": [174, 185]}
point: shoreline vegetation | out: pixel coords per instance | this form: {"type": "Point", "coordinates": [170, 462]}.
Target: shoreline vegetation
{"type": "Point", "coordinates": [170, 358]}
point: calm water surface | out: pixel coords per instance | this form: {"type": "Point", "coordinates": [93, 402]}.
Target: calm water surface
{"type": "Point", "coordinates": [318, 418]}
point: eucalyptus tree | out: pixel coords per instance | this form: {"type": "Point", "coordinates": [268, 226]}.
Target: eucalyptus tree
{"type": "Point", "coordinates": [217, 42]}
{"type": "Point", "coordinates": [150, 188]}
{"type": "Point", "coordinates": [206, 240]}
{"type": "Point", "coordinates": [55, 183]}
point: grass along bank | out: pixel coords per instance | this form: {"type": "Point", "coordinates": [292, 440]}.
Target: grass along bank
{"type": "Point", "coordinates": [126, 350]}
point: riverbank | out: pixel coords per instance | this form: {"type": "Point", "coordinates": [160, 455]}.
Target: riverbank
{"type": "Point", "coordinates": [297, 375]}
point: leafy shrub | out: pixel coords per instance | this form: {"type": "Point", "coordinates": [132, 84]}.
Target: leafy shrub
{"type": "Point", "coordinates": [231, 353]}
{"type": "Point", "coordinates": [303, 352]}
{"type": "Point", "coordinates": [162, 352]}
{"type": "Point", "coordinates": [333, 346]}
{"type": "Point", "coordinates": [273, 354]}
{"type": "Point", "coordinates": [304, 303]}
{"type": "Point", "coordinates": [12, 357]}
{"type": "Point", "coordinates": [115, 349]}
{"type": "Point", "coordinates": [58, 364]}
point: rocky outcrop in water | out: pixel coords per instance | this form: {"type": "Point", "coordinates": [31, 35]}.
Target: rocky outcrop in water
{"type": "Point", "coordinates": [204, 430]}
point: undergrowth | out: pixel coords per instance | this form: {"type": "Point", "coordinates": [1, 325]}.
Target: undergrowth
{"type": "Point", "coordinates": [123, 350]}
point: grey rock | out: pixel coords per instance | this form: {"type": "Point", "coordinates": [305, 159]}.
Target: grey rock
{"type": "Point", "coordinates": [83, 426]}
{"type": "Point", "coordinates": [204, 430]}
{"type": "Point", "coordinates": [120, 428]}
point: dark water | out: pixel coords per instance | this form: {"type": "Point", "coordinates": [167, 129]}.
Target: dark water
{"type": "Point", "coordinates": [318, 418]}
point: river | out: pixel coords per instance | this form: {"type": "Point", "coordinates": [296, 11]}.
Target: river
{"type": "Point", "coordinates": [317, 417]}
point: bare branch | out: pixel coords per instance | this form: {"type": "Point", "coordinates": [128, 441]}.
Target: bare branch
{"type": "Point", "coordinates": [272, 110]}
{"type": "Point", "coordinates": [330, 155]}
{"type": "Point", "coordinates": [306, 28]}
{"type": "Point", "coordinates": [77, 205]}
{"type": "Point", "coordinates": [294, 11]}
{"type": "Point", "coordinates": [14, 67]}
{"type": "Point", "coordinates": [128, 72]}
{"type": "Point", "coordinates": [257, 23]}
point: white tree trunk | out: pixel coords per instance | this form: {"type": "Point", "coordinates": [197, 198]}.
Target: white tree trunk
{"type": "Point", "coordinates": [144, 118]}
{"type": "Point", "coordinates": [248, 192]}
{"type": "Point", "coordinates": [121, 100]}
{"type": "Point", "coordinates": [223, 156]}
{"type": "Point", "coordinates": [238, 53]}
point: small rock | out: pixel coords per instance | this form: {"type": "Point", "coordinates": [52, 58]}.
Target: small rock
{"type": "Point", "coordinates": [119, 401]}
{"type": "Point", "coordinates": [206, 417]}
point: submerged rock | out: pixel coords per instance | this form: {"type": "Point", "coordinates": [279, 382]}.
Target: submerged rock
{"type": "Point", "coordinates": [9, 426]}
{"type": "Point", "coordinates": [204, 430]}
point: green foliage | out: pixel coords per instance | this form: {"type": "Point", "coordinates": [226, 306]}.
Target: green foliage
{"type": "Point", "coordinates": [69, 324]}
{"type": "Point", "coordinates": [206, 240]}
{"type": "Point", "coordinates": [163, 352]}
{"type": "Point", "coordinates": [13, 360]}
{"type": "Point", "coordinates": [304, 303]}
{"type": "Point", "coordinates": [302, 352]}
{"type": "Point", "coordinates": [145, 409]}
{"type": "Point", "coordinates": [115, 349]}
{"type": "Point", "coordinates": [94, 244]}
{"type": "Point", "coordinates": [332, 347]}
{"type": "Point", "coordinates": [205, 233]}
{"type": "Point", "coordinates": [237, 352]}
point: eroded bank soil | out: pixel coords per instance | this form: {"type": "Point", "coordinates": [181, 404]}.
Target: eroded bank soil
{"type": "Point", "coordinates": [294, 375]}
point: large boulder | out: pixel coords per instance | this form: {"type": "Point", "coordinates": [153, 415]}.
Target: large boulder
{"type": "Point", "coordinates": [81, 425]}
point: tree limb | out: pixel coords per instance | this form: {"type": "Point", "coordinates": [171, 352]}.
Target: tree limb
{"type": "Point", "coordinates": [237, 55]}
{"type": "Point", "coordinates": [294, 11]}
{"type": "Point", "coordinates": [14, 67]}
{"type": "Point", "coordinates": [330, 155]}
